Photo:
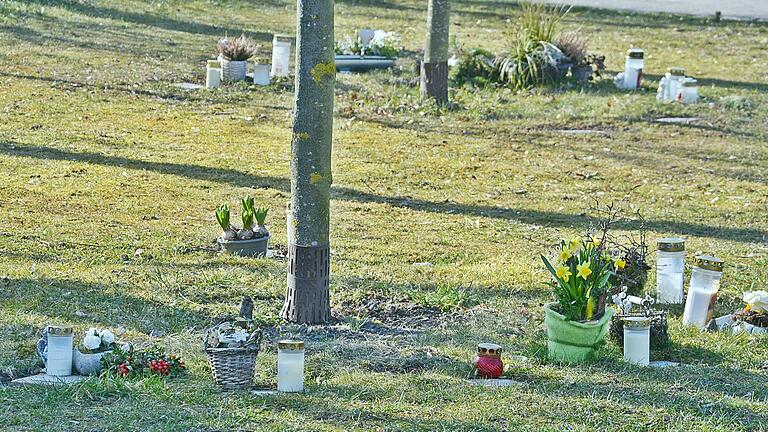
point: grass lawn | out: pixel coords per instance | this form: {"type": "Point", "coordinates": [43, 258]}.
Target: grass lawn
{"type": "Point", "coordinates": [109, 175]}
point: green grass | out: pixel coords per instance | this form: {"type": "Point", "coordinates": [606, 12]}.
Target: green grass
{"type": "Point", "coordinates": [101, 155]}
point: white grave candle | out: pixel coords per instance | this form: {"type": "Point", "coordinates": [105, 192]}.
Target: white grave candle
{"type": "Point", "coordinates": [702, 294]}
{"type": "Point", "coordinates": [637, 340]}
{"type": "Point", "coordinates": [290, 366]}
{"type": "Point", "coordinates": [633, 69]}
{"type": "Point", "coordinates": [281, 55]}
{"type": "Point", "coordinates": [59, 357]}
{"type": "Point", "coordinates": [213, 74]}
{"type": "Point", "coordinates": [260, 73]}
{"type": "Point", "coordinates": [670, 262]}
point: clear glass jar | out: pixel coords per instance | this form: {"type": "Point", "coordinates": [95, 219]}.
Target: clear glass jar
{"type": "Point", "coordinates": [702, 293]}
{"type": "Point", "coordinates": [281, 55]}
{"type": "Point", "coordinates": [637, 340]}
{"type": "Point", "coordinates": [689, 93]}
{"type": "Point", "coordinates": [213, 74]}
{"type": "Point", "coordinates": [59, 356]}
{"type": "Point", "coordinates": [670, 264]}
{"type": "Point", "coordinates": [261, 72]}
{"type": "Point", "coordinates": [633, 69]}
{"type": "Point", "coordinates": [290, 366]}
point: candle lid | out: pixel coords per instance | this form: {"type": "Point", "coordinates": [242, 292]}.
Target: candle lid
{"type": "Point", "coordinates": [290, 344]}
{"type": "Point", "coordinates": [260, 60]}
{"type": "Point", "coordinates": [637, 322]}
{"type": "Point", "coordinates": [60, 330]}
{"type": "Point", "coordinates": [214, 64]}
{"type": "Point", "coordinates": [707, 262]}
{"type": "Point", "coordinates": [489, 349]}
{"type": "Point", "coordinates": [635, 53]}
{"type": "Point", "coordinates": [281, 38]}
{"type": "Point", "coordinates": [670, 244]}
{"type": "Point", "coordinates": [676, 70]}
{"type": "Point", "coordinates": [690, 82]}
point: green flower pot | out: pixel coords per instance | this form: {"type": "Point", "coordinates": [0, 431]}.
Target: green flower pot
{"type": "Point", "coordinates": [572, 341]}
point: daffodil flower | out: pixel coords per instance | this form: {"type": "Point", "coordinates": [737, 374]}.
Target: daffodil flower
{"type": "Point", "coordinates": [596, 242]}
{"type": "Point", "coordinates": [584, 270]}
{"type": "Point", "coordinates": [574, 244]}
{"type": "Point", "coordinates": [619, 264]}
{"type": "Point", "coordinates": [563, 272]}
{"type": "Point", "coordinates": [565, 255]}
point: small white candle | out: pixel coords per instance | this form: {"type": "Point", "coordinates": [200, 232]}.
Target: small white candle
{"type": "Point", "coordinates": [290, 366]}
{"type": "Point", "coordinates": [637, 341]}
{"type": "Point", "coordinates": [59, 362]}
{"type": "Point", "coordinates": [213, 74]}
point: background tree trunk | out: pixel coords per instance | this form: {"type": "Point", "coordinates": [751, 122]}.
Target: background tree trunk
{"type": "Point", "coordinates": [434, 68]}
{"type": "Point", "coordinates": [307, 296]}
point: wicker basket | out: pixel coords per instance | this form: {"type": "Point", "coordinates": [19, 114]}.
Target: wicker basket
{"type": "Point", "coordinates": [233, 368]}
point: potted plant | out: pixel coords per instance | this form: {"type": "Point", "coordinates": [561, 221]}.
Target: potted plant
{"type": "Point", "coordinates": [376, 51]}
{"type": "Point", "coordinates": [86, 357]}
{"type": "Point", "coordinates": [234, 54]}
{"type": "Point", "coordinates": [578, 322]}
{"type": "Point", "coordinates": [232, 347]}
{"type": "Point", "coordinates": [246, 241]}
{"type": "Point", "coordinates": [127, 361]}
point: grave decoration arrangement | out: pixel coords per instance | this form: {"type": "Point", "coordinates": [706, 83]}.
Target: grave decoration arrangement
{"type": "Point", "coordinates": [232, 347]}
{"type": "Point", "coordinates": [370, 49]}
{"type": "Point", "coordinates": [233, 55]}
{"type": "Point", "coordinates": [129, 362]}
{"type": "Point", "coordinates": [578, 322]}
{"type": "Point", "coordinates": [96, 343]}
{"type": "Point", "coordinates": [752, 319]}
{"type": "Point", "coordinates": [675, 86]}
{"type": "Point", "coordinates": [247, 241]}
{"type": "Point", "coordinates": [488, 362]}
{"type": "Point", "coordinates": [632, 307]}
{"type": "Point", "coordinates": [540, 55]}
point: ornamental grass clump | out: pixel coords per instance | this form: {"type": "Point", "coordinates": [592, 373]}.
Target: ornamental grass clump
{"type": "Point", "coordinates": [581, 277]}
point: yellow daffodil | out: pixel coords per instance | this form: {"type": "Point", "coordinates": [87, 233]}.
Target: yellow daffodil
{"type": "Point", "coordinates": [565, 255]}
{"type": "Point", "coordinates": [563, 272]}
{"type": "Point", "coordinates": [574, 244]}
{"type": "Point", "coordinates": [584, 270]}
{"type": "Point", "coordinates": [596, 242]}
{"type": "Point", "coordinates": [619, 264]}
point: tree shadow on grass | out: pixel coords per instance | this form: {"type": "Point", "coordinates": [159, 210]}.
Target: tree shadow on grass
{"type": "Point", "coordinates": [162, 22]}
{"type": "Point", "coordinates": [242, 179]}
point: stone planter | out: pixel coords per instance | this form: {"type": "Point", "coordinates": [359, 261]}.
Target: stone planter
{"type": "Point", "coordinates": [233, 70]}
{"type": "Point", "coordinates": [255, 247]}
{"type": "Point", "coordinates": [572, 341]}
{"type": "Point", "coordinates": [87, 364]}
{"type": "Point", "coordinates": [358, 63]}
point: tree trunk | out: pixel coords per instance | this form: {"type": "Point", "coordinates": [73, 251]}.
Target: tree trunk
{"type": "Point", "coordinates": [434, 68]}
{"type": "Point", "coordinates": [307, 296]}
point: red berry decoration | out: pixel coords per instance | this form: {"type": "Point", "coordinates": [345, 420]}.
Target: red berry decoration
{"type": "Point", "coordinates": [488, 362]}
{"type": "Point", "coordinates": [123, 370]}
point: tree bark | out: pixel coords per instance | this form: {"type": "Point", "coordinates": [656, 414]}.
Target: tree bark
{"type": "Point", "coordinates": [307, 295]}
{"type": "Point", "coordinates": [434, 68]}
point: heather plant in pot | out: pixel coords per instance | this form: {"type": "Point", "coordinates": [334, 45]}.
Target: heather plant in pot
{"type": "Point", "coordinates": [246, 241]}
{"type": "Point", "coordinates": [234, 54]}
{"type": "Point", "coordinates": [578, 321]}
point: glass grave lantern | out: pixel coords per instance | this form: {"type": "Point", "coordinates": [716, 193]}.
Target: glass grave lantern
{"type": "Point", "coordinates": [290, 366]}
{"type": "Point", "coordinates": [689, 93]}
{"type": "Point", "coordinates": [212, 74]}
{"type": "Point", "coordinates": [59, 355]}
{"type": "Point", "coordinates": [702, 293]}
{"type": "Point", "coordinates": [633, 69]}
{"type": "Point", "coordinates": [670, 263]}
{"type": "Point", "coordinates": [281, 55]}
{"type": "Point", "coordinates": [637, 340]}
{"type": "Point", "coordinates": [261, 72]}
